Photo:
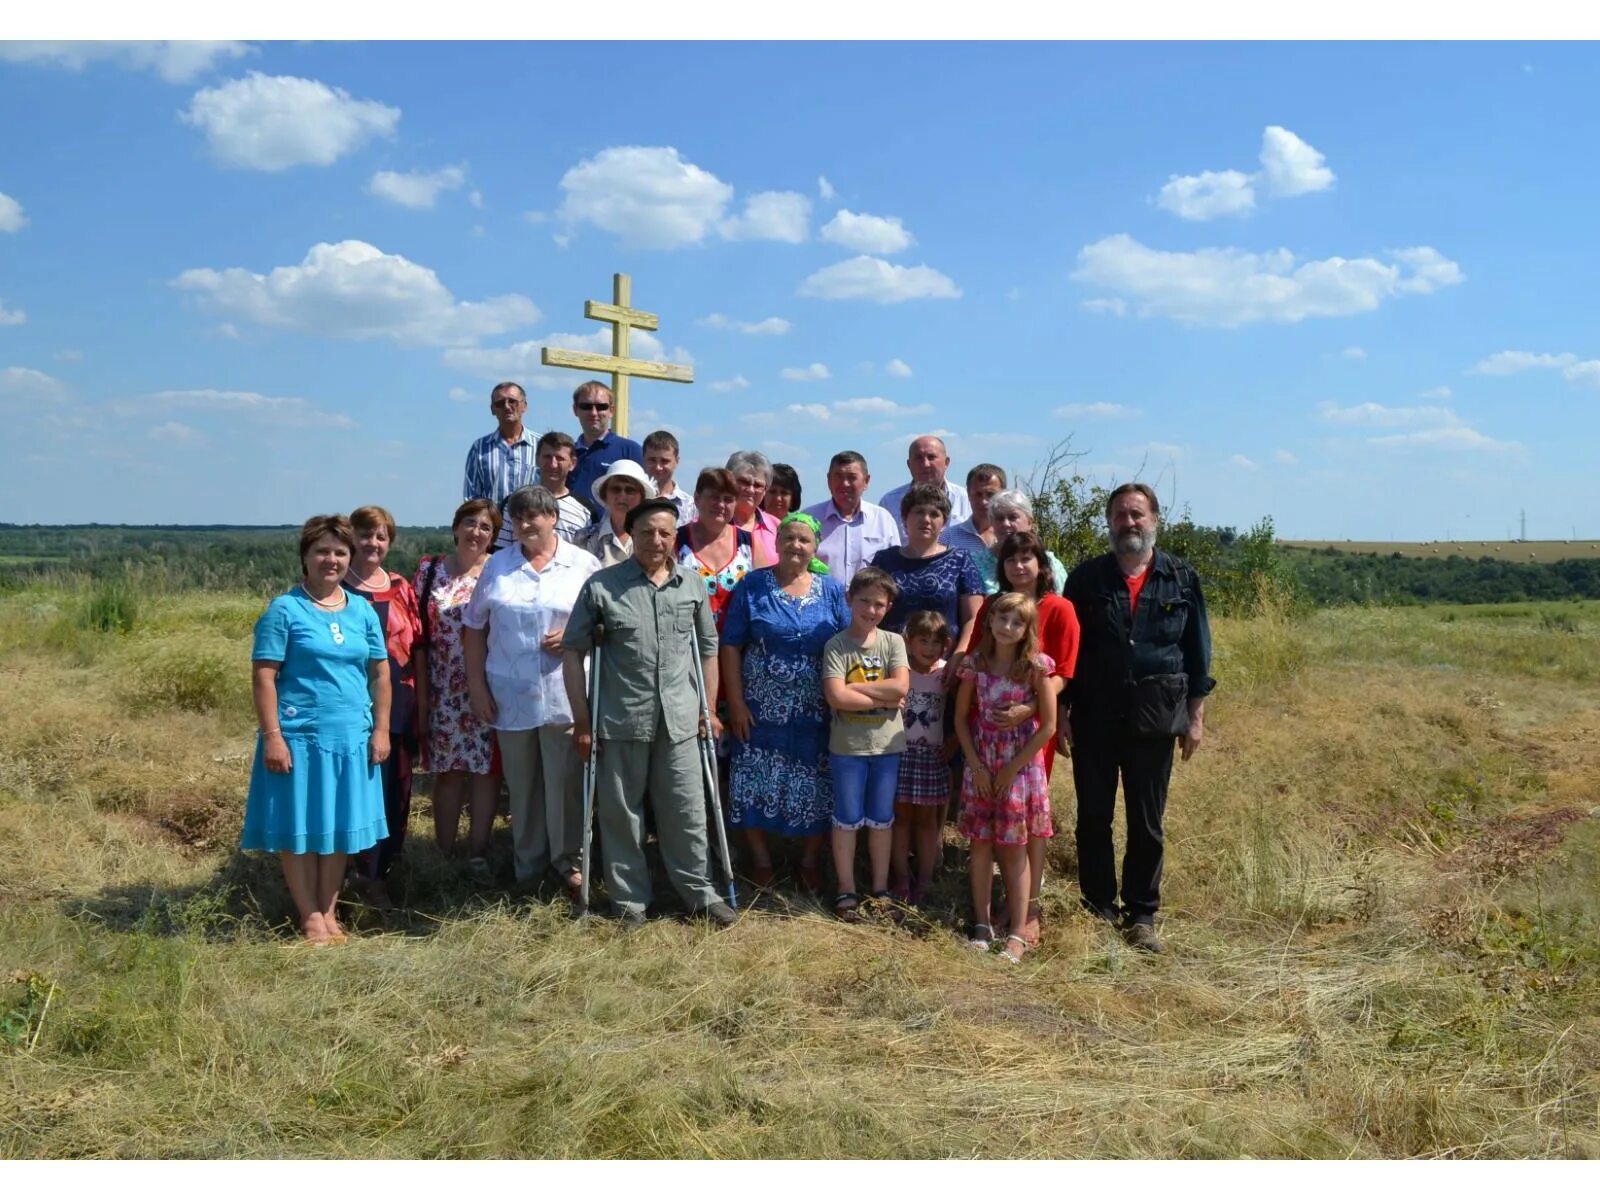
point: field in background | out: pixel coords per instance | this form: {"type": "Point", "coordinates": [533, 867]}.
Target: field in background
{"type": "Point", "coordinates": [1380, 901]}
{"type": "Point", "coordinates": [1506, 551]}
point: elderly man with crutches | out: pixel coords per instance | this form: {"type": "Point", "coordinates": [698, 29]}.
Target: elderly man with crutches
{"type": "Point", "coordinates": [650, 618]}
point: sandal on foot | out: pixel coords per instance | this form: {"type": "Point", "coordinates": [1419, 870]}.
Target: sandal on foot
{"type": "Point", "coordinates": [919, 893]}
{"type": "Point", "coordinates": [1031, 927]}
{"type": "Point", "coordinates": [1014, 956]}
{"type": "Point", "coordinates": [847, 906]}
{"type": "Point", "coordinates": [982, 936]}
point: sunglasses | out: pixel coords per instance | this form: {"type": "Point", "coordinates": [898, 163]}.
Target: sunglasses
{"type": "Point", "coordinates": [594, 408]}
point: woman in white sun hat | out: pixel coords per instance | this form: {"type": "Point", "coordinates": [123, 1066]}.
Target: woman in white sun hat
{"type": "Point", "coordinates": [622, 486]}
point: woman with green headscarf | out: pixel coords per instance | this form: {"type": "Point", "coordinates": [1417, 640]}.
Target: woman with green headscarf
{"type": "Point", "coordinates": [777, 622]}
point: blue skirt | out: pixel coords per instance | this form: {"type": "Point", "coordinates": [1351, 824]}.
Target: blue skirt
{"type": "Point", "coordinates": [330, 801]}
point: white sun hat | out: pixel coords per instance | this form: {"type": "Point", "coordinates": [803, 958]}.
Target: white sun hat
{"type": "Point", "coordinates": [623, 468]}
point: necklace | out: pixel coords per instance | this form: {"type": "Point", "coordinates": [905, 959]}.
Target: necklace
{"type": "Point", "coordinates": [339, 603]}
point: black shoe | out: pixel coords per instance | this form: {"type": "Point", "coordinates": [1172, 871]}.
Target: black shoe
{"type": "Point", "coordinates": [719, 914]}
{"type": "Point", "coordinates": [1141, 935]}
{"type": "Point", "coordinates": [1108, 913]}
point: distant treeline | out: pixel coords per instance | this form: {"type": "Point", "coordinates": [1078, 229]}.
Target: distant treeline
{"type": "Point", "coordinates": [249, 558]}
{"type": "Point", "coordinates": [1329, 576]}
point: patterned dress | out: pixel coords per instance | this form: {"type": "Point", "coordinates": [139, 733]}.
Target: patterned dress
{"type": "Point", "coordinates": [719, 584]}
{"type": "Point", "coordinates": [457, 740]}
{"type": "Point", "coordinates": [779, 779]}
{"type": "Point", "coordinates": [936, 583]}
{"type": "Point", "coordinates": [1024, 812]}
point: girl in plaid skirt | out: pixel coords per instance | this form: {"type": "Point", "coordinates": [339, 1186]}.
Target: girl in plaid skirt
{"type": "Point", "coordinates": [925, 765]}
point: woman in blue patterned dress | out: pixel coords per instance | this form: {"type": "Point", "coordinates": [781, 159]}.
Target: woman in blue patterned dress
{"type": "Point", "coordinates": [931, 575]}
{"type": "Point", "coordinates": [779, 619]}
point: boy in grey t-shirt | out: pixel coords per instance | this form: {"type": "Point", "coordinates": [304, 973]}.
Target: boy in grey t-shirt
{"type": "Point", "coordinates": [865, 676]}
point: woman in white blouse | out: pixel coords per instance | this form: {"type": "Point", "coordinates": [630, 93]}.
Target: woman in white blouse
{"type": "Point", "coordinates": [512, 638]}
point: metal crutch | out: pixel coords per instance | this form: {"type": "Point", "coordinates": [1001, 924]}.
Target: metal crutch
{"type": "Point", "coordinates": [708, 765]}
{"type": "Point", "coordinates": [590, 773]}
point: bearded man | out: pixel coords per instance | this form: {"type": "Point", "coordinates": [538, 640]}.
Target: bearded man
{"type": "Point", "coordinates": [1144, 661]}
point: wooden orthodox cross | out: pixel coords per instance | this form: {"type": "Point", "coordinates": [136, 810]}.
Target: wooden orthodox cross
{"type": "Point", "coordinates": [617, 364]}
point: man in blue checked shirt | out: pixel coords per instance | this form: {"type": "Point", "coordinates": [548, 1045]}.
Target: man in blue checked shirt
{"type": "Point", "coordinates": [500, 462]}
{"type": "Point", "coordinates": [597, 447]}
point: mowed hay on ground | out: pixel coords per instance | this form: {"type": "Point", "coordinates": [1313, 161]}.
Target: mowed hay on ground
{"type": "Point", "coordinates": [1380, 901]}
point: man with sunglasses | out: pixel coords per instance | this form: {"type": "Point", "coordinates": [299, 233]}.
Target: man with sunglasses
{"type": "Point", "coordinates": [501, 462]}
{"type": "Point", "coordinates": [597, 447]}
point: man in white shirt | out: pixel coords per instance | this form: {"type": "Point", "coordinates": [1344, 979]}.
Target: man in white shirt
{"type": "Point", "coordinates": [928, 461]}
{"type": "Point", "coordinates": [853, 529]}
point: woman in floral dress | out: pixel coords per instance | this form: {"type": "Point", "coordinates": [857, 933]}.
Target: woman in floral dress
{"type": "Point", "coordinates": [779, 619]}
{"type": "Point", "coordinates": [457, 747]}
{"type": "Point", "coordinates": [712, 546]}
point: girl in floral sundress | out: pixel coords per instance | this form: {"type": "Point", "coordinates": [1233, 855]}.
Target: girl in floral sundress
{"type": "Point", "coordinates": [1005, 797]}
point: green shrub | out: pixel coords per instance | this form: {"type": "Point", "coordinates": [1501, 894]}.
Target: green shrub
{"type": "Point", "coordinates": [113, 607]}
{"type": "Point", "coordinates": [199, 674]}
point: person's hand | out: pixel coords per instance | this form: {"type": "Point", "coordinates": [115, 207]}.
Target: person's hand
{"type": "Point", "coordinates": [1003, 781]}
{"type": "Point", "coordinates": [951, 666]}
{"type": "Point", "coordinates": [710, 727]}
{"type": "Point", "coordinates": [582, 739]}
{"type": "Point", "coordinates": [378, 747]}
{"type": "Point", "coordinates": [483, 705]}
{"type": "Point", "coordinates": [1064, 732]}
{"type": "Point", "coordinates": [1190, 741]}
{"type": "Point", "coordinates": [424, 729]}
{"type": "Point", "coordinates": [1012, 715]}
{"type": "Point", "coordinates": [275, 752]}
{"type": "Point", "coordinates": [550, 643]}
{"type": "Point", "coordinates": [740, 720]}
{"type": "Point", "coordinates": [981, 781]}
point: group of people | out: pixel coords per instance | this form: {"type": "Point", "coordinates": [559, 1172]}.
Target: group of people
{"type": "Point", "coordinates": [859, 665]}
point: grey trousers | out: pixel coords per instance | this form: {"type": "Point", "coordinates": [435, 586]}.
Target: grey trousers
{"type": "Point", "coordinates": [545, 782]}
{"type": "Point", "coordinates": [670, 771]}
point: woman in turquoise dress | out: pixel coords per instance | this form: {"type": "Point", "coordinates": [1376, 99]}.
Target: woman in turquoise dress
{"type": "Point", "coordinates": [777, 622]}
{"type": "Point", "coordinates": [320, 678]}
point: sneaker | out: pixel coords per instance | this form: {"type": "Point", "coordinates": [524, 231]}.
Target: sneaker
{"type": "Point", "coordinates": [632, 919]}
{"type": "Point", "coordinates": [719, 914]}
{"type": "Point", "coordinates": [1141, 935]}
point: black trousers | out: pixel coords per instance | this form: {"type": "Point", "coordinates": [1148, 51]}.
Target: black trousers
{"type": "Point", "coordinates": [1099, 755]}
{"type": "Point", "coordinates": [396, 772]}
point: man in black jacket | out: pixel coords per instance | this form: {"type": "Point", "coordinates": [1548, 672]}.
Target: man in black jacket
{"type": "Point", "coordinates": [1142, 677]}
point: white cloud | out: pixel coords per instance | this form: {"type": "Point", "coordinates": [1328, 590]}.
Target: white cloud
{"type": "Point", "coordinates": [825, 189]}
{"type": "Point", "coordinates": [649, 196]}
{"type": "Point", "coordinates": [867, 278]}
{"type": "Point", "coordinates": [737, 383]}
{"type": "Point", "coordinates": [1239, 460]}
{"type": "Point", "coordinates": [771, 217]}
{"type": "Point", "coordinates": [1377, 414]}
{"type": "Point", "coordinates": [818, 411]}
{"type": "Point", "coordinates": [1099, 409]}
{"type": "Point", "coordinates": [175, 62]}
{"type": "Point", "coordinates": [416, 189]}
{"type": "Point", "coordinates": [1290, 167]}
{"type": "Point", "coordinates": [29, 387]}
{"type": "Point", "coordinates": [877, 406]}
{"type": "Point", "coordinates": [1438, 393]}
{"type": "Point", "coordinates": [460, 395]}
{"type": "Point", "coordinates": [805, 374]}
{"type": "Point", "coordinates": [282, 412]}
{"type": "Point", "coordinates": [273, 122]}
{"type": "Point", "coordinates": [766, 327]}
{"type": "Point", "coordinates": [1116, 307]}
{"type": "Point", "coordinates": [12, 217]}
{"type": "Point", "coordinates": [1448, 437]}
{"type": "Point", "coordinates": [178, 434]}
{"type": "Point", "coordinates": [69, 355]}
{"type": "Point", "coordinates": [354, 290]}
{"type": "Point", "coordinates": [1228, 286]}
{"type": "Point", "coordinates": [1510, 362]}
{"type": "Point", "coordinates": [898, 367]}
{"type": "Point", "coordinates": [520, 361]}
{"type": "Point", "coordinates": [1354, 353]}
{"type": "Point", "coordinates": [475, 198]}
{"type": "Point", "coordinates": [1207, 195]}
{"type": "Point", "coordinates": [866, 233]}
{"type": "Point", "coordinates": [12, 316]}
{"type": "Point", "coordinates": [1284, 457]}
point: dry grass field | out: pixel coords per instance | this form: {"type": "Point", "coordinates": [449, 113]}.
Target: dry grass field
{"type": "Point", "coordinates": [1505, 551]}
{"type": "Point", "coordinates": [1381, 902]}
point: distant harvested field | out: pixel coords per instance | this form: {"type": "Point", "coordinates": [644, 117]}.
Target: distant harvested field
{"type": "Point", "coordinates": [1507, 551]}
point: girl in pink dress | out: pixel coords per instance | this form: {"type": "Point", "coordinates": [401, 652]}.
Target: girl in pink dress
{"type": "Point", "coordinates": [1005, 796]}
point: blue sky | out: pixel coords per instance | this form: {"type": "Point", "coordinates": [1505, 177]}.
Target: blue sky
{"type": "Point", "coordinates": [1346, 285]}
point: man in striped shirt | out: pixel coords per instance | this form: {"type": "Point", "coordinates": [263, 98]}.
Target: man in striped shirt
{"type": "Point", "coordinates": [976, 534]}
{"type": "Point", "coordinates": [500, 462]}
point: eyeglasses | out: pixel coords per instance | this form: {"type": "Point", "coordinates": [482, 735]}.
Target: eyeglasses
{"type": "Point", "coordinates": [594, 408]}
{"type": "Point", "coordinates": [506, 402]}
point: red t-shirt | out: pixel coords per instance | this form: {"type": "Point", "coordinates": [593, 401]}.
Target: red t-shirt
{"type": "Point", "coordinates": [1135, 586]}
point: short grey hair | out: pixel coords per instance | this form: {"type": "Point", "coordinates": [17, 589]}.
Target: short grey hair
{"type": "Point", "coordinates": [1011, 501]}
{"type": "Point", "coordinates": [532, 501]}
{"type": "Point", "coordinates": [753, 460]}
